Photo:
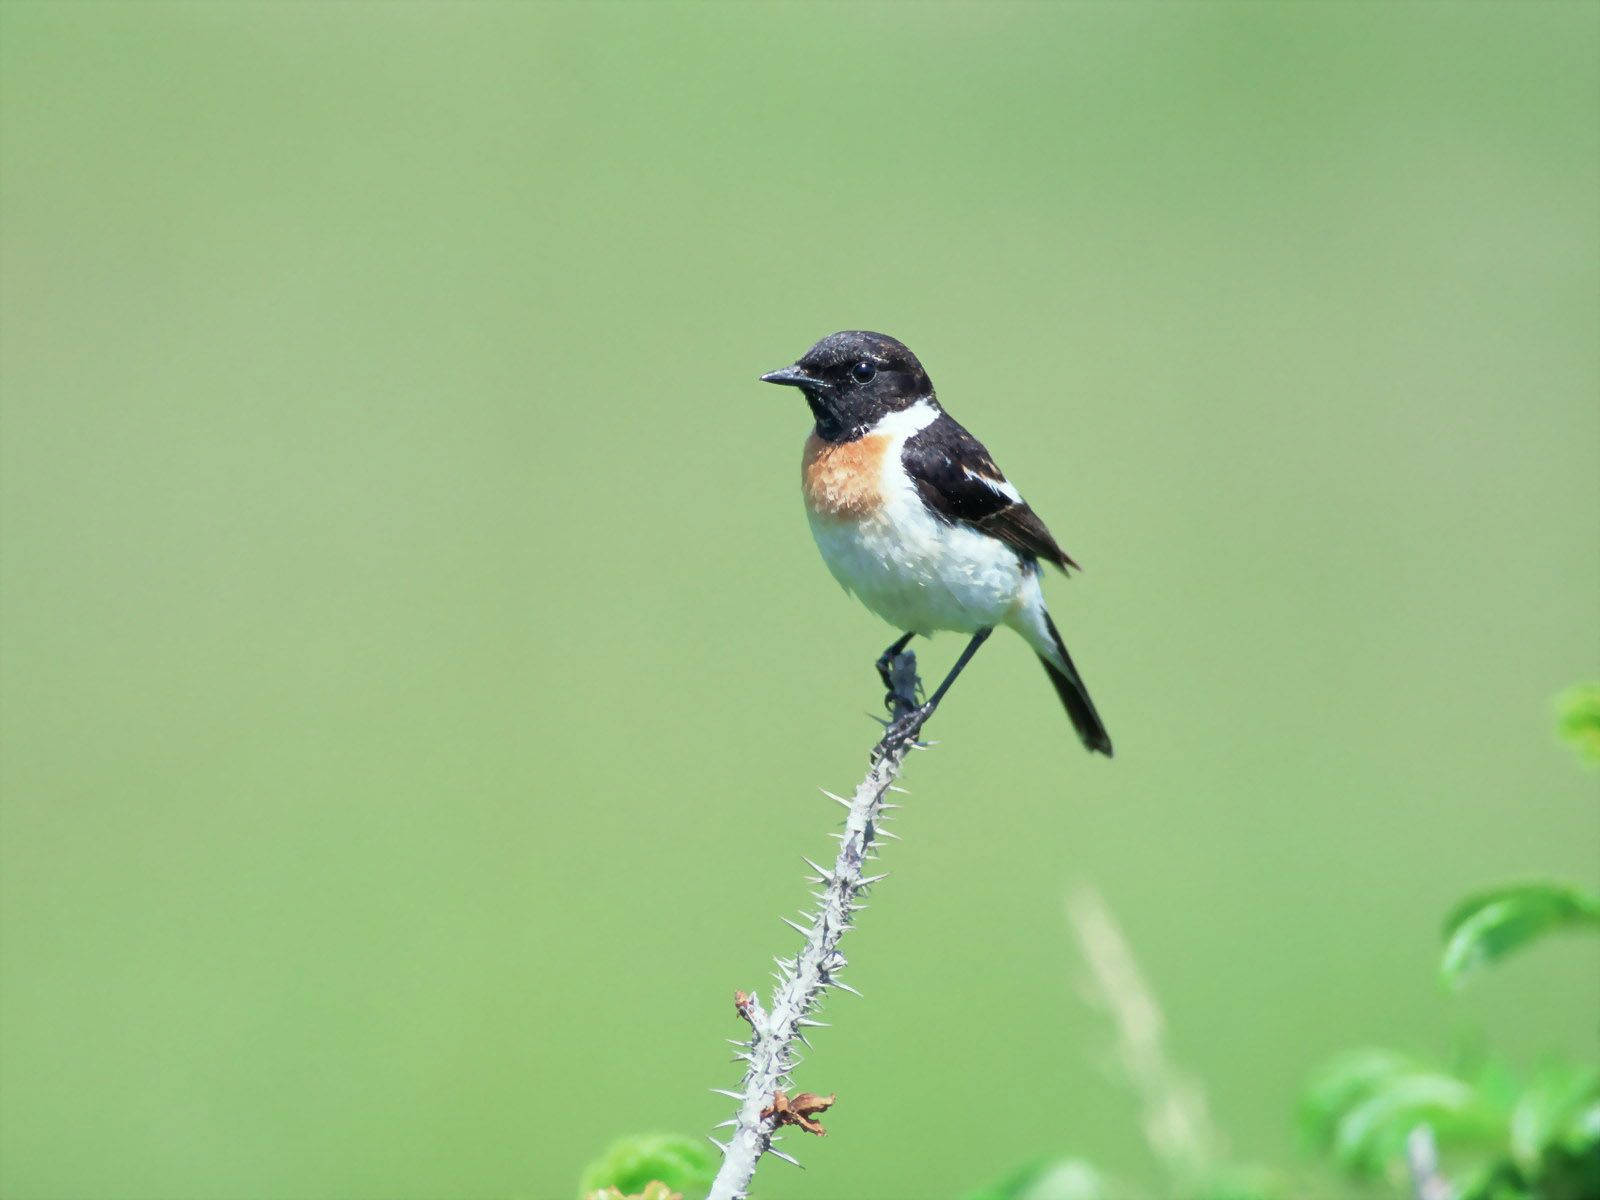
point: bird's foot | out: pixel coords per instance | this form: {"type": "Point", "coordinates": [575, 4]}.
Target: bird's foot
{"type": "Point", "coordinates": [894, 694]}
{"type": "Point", "coordinates": [885, 666]}
{"type": "Point", "coordinates": [906, 727]}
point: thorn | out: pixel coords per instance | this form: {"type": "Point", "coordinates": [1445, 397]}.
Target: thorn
{"type": "Point", "coordinates": [795, 926]}
{"type": "Point", "coordinates": [722, 1146]}
{"type": "Point", "coordinates": [729, 1093]}
{"type": "Point", "coordinates": [807, 1021]}
{"type": "Point", "coordinates": [869, 880]}
{"type": "Point", "coordinates": [884, 833]}
{"type": "Point", "coordinates": [725, 1124]}
{"type": "Point", "coordinates": [737, 1042]}
{"type": "Point", "coordinates": [824, 872]}
{"type": "Point", "coordinates": [895, 787]}
{"type": "Point", "coordinates": [835, 799]}
{"type": "Point", "coordinates": [788, 1158]}
{"type": "Point", "coordinates": [839, 983]}
{"type": "Point", "coordinates": [888, 808]}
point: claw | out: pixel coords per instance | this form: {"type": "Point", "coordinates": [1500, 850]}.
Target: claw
{"type": "Point", "coordinates": [903, 728]}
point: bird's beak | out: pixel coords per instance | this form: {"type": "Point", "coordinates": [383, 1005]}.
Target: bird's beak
{"type": "Point", "coordinates": [795, 377]}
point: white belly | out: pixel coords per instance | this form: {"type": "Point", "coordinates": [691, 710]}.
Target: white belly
{"type": "Point", "coordinates": [917, 572]}
{"type": "Point", "coordinates": [921, 574]}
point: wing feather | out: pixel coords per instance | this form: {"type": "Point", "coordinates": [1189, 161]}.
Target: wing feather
{"type": "Point", "coordinates": [958, 478]}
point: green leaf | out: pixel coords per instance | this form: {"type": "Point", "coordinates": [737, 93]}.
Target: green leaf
{"type": "Point", "coordinates": [1340, 1085]}
{"type": "Point", "coordinates": [1579, 720]}
{"type": "Point", "coordinates": [1570, 1173]}
{"type": "Point", "coordinates": [1559, 1110]}
{"type": "Point", "coordinates": [1049, 1179]}
{"type": "Point", "coordinates": [1373, 1133]}
{"type": "Point", "coordinates": [683, 1164]}
{"type": "Point", "coordinates": [1495, 1181]}
{"type": "Point", "coordinates": [1361, 1106]}
{"type": "Point", "coordinates": [1485, 928]}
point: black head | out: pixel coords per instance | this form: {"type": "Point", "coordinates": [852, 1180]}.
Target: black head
{"type": "Point", "coordinates": [853, 379]}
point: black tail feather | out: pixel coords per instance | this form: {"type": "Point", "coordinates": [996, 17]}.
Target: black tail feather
{"type": "Point", "coordinates": [1069, 686]}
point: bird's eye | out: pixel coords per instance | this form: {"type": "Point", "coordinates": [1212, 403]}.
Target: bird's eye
{"type": "Point", "coordinates": [863, 372]}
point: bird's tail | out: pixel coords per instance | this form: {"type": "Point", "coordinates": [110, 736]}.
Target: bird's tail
{"type": "Point", "coordinates": [1069, 686]}
{"type": "Point", "coordinates": [1033, 621]}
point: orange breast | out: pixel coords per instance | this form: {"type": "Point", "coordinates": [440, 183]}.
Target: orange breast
{"type": "Point", "coordinates": [844, 480]}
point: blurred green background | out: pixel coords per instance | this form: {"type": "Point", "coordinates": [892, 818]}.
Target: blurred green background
{"type": "Point", "coordinates": [417, 671]}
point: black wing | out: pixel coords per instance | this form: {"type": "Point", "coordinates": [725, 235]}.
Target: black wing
{"type": "Point", "coordinates": [958, 479]}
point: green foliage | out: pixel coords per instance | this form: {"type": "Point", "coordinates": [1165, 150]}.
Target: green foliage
{"type": "Point", "coordinates": [683, 1164]}
{"type": "Point", "coordinates": [1339, 1086]}
{"type": "Point", "coordinates": [1566, 1167]}
{"type": "Point", "coordinates": [1485, 928]}
{"type": "Point", "coordinates": [1579, 720]}
{"type": "Point", "coordinates": [1540, 1141]}
{"type": "Point", "coordinates": [1555, 1138]}
{"type": "Point", "coordinates": [1561, 1108]}
{"type": "Point", "coordinates": [1360, 1108]}
{"type": "Point", "coordinates": [1049, 1179]}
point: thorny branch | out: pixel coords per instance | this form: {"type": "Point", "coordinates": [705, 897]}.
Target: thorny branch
{"type": "Point", "coordinates": [764, 1105]}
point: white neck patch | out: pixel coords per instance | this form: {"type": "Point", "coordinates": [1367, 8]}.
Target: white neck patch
{"type": "Point", "coordinates": [907, 421]}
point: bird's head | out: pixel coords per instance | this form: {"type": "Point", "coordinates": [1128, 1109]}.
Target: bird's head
{"type": "Point", "coordinates": [853, 379]}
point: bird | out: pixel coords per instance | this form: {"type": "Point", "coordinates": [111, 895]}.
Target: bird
{"type": "Point", "coordinates": [915, 519]}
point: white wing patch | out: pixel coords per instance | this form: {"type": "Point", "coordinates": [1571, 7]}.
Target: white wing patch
{"type": "Point", "coordinates": [1001, 487]}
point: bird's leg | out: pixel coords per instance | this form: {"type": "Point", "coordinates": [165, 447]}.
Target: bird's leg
{"type": "Point", "coordinates": [909, 724]}
{"type": "Point", "coordinates": [885, 662]}
{"type": "Point", "coordinates": [966, 656]}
